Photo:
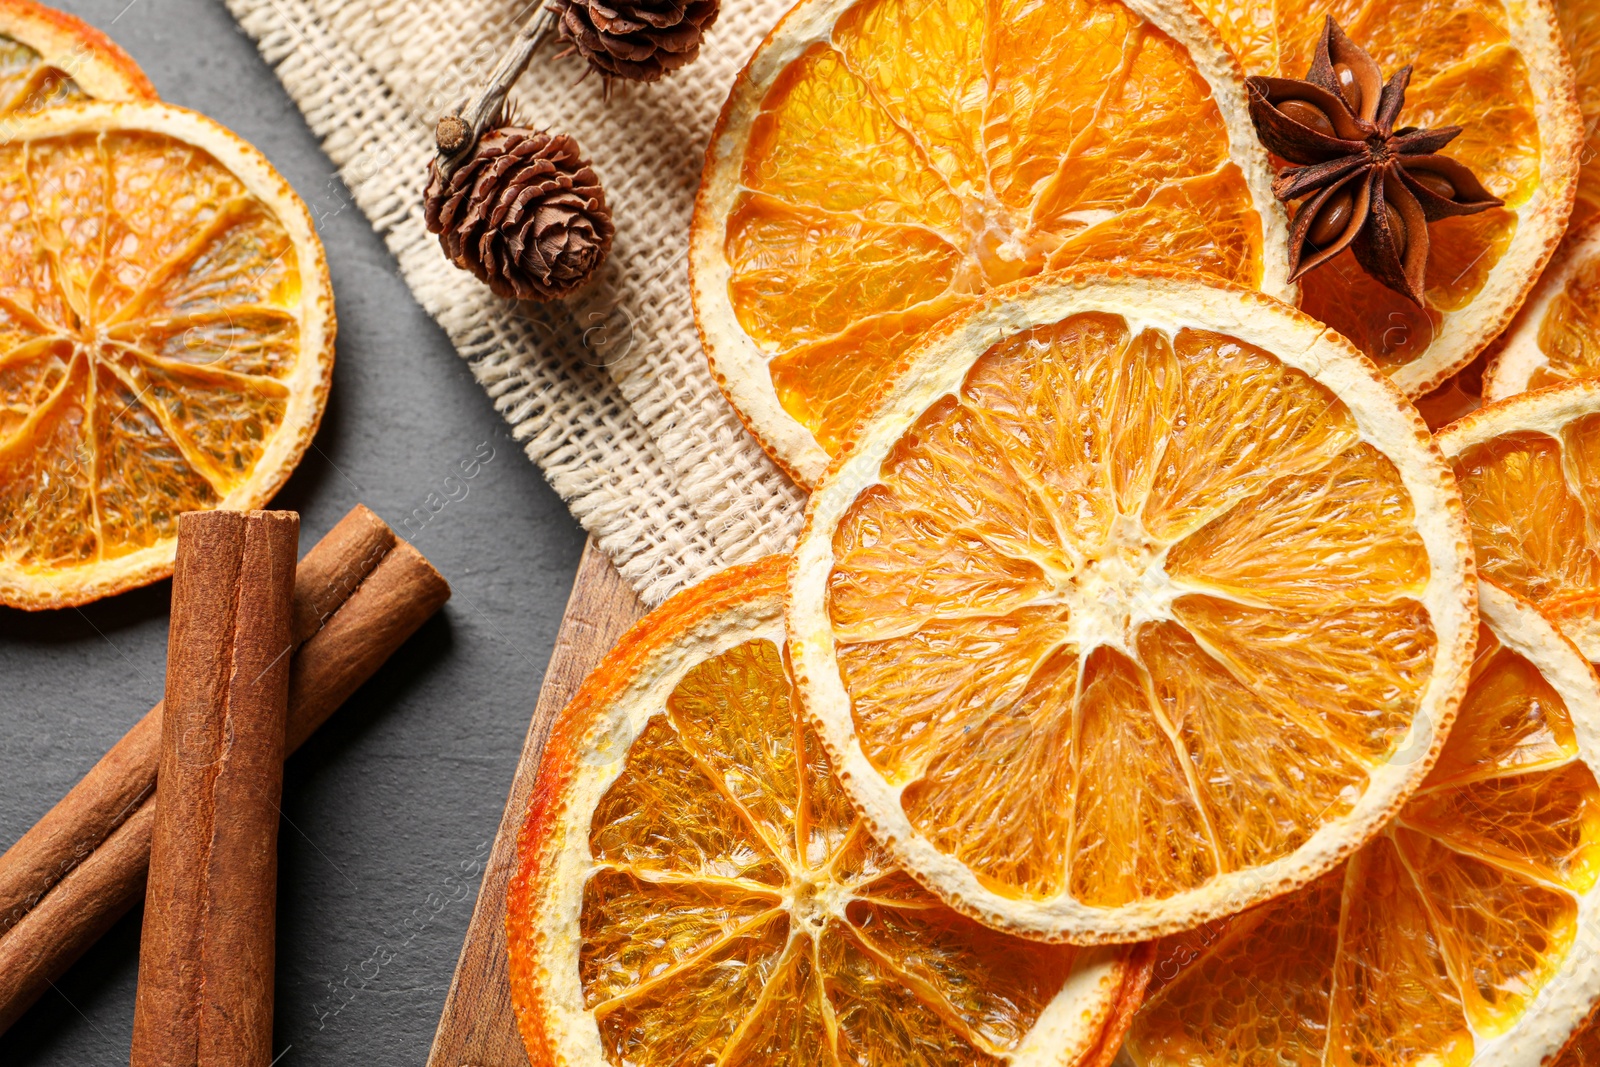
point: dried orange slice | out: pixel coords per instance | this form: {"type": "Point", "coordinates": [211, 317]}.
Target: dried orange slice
{"type": "Point", "coordinates": [1529, 470]}
{"type": "Point", "coordinates": [881, 163]}
{"type": "Point", "coordinates": [693, 887]}
{"type": "Point", "coordinates": [1456, 936]}
{"type": "Point", "coordinates": [1496, 68]}
{"type": "Point", "coordinates": [1556, 335]}
{"type": "Point", "coordinates": [1134, 602]}
{"type": "Point", "coordinates": [48, 57]}
{"type": "Point", "coordinates": [166, 341]}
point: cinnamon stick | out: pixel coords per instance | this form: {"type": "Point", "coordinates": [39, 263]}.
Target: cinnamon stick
{"type": "Point", "coordinates": [207, 949]}
{"type": "Point", "coordinates": [82, 867]}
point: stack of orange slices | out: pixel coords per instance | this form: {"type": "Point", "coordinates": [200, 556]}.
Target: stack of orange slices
{"type": "Point", "coordinates": [166, 319]}
{"type": "Point", "coordinates": [1133, 606]}
{"type": "Point", "coordinates": [883, 163]}
{"type": "Point", "coordinates": [1146, 681]}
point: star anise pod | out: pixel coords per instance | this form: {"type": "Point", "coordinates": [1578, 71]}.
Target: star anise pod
{"type": "Point", "coordinates": [1360, 183]}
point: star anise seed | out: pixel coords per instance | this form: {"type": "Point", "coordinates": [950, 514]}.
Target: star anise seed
{"type": "Point", "coordinates": [1355, 180]}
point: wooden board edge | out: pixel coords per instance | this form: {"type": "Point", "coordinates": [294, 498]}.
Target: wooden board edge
{"type": "Point", "coordinates": [477, 1027]}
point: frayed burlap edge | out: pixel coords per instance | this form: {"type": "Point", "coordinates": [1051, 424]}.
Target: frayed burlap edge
{"type": "Point", "coordinates": [609, 392]}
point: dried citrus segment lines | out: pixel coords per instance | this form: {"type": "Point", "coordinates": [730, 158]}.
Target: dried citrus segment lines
{"type": "Point", "coordinates": [1352, 515]}
{"type": "Point", "coordinates": [1116, 613]}
{"type": "Point", "coordinates": [1451, 936]}
{"type": "Point", "coordinates": [880, 160]}
{"type": "Point", "coordinates": [1529, 469]}
{"type": "Point", "coordinates": [804, 276]}
{"type": "Point", "coordinates": [48, 58]}
{"type": "Point", "coordinates": [1542, 823]}
{"type": "Point", "coordinates": [1262, 799]}
{"type": "Point", "coordinates": [891, 48]}
{"type": "Point", "coordinates": [1206, 223]}
{"type": "Point", "coordinates": [1497, 70]}
{"type": "Point", "coordinates": [167, 341]}
{"type": "Point", "coordinates": [694, 886]}
{"type": "Point", "coordinates": [712, 841]}
{"type": "Point", "coordinates": [828, 144]}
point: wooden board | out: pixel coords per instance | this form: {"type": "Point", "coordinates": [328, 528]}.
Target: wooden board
{"type": "Point", "coordinates": [477, 1028]}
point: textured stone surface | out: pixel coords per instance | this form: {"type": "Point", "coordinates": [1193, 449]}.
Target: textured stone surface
{"type": "Point", "coordinates": [390, 810]}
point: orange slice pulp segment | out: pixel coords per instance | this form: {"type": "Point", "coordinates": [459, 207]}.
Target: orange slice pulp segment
{"type": "Point", "coordinates": [1568, 336]}
{"type": "Point", "coordinates": [1556, 336]}
{"type": "Point", "coordinates": [48, 57]}
{"type": "Point", "coordinates": [1453, 933]}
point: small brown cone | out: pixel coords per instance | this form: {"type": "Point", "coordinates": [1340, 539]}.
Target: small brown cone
{"type": "Point", "coordinates": [639, 40]}
{"type": "Point", "coordinates": [525, 213]}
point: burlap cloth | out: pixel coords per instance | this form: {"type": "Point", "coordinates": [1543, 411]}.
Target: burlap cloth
{"type": "Point", "coordinates": [608, 393]}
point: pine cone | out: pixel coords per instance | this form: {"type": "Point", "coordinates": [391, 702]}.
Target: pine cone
{"type": "Point", "coordinates": [525, 213]}
{"type": "Point", "coordinates": [635, 39]}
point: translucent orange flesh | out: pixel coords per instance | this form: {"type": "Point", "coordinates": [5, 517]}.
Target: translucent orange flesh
{"type": "Point", "coordinates": [1569, 333]}
{"type": "Point", "coordinates": [1529, 499]}
{"type": "Point", "coordinates": [147, 323]}
{"type": "Point", "coordinates": [28, 83]}
{"type": "Point", "coordinates": [1130, 612]}
{"type": "Point", "coordinates": [740, 913]}
{"type": "Point", "coordinates": [1436, 936]}
{"type": "Point", "coordinates": [926, 152]}
{"type": "Point", "coordinates": [1465, 73]}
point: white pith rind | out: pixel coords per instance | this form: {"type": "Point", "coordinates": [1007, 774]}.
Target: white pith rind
{"type": "Point", "coordinates": [1520, 356]}
{"type": "Point", "coordinates": [739, 365]}
{"type": "Point", "coordinates": [1535, 34]}
{"type": "Point", "coordinates": [1565, 1001]}
{"type": "Point", "coordinates": [1167, 302]}
{"type": "Point", "coordinates": [1546, 411]}
{"type": "Point", "coordinates": [1068, 1029]}
{"type": "Point", "coordinates": [1542, 411]}
{"type": "Point", "coordinates": [307, 384]}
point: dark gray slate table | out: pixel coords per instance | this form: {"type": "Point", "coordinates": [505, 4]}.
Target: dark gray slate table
{"type": "Point", "coordinates": [389, 810]}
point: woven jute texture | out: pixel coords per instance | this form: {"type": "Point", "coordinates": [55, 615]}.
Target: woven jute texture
{"type": "Point", "coordinates": [608, 392]}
